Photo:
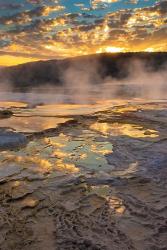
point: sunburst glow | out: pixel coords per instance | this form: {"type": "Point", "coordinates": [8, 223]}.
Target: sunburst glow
{"type": "Point", "coordinates": [111, 50]}
{"type": "Point", "coordinates": [40, 30]}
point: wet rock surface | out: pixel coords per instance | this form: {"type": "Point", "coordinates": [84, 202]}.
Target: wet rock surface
{"type": "Point", "coordinates": [5, 113]}
{"type": "Point", "coordinates": [97, 182]}
{"type": "Point", "coordinates": [11, 140]}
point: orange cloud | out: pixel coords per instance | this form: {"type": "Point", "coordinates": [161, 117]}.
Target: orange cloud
{"type": "Point", "coordinates": [35, 34]}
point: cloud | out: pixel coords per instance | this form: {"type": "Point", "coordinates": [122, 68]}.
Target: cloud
{"type": "Point", "coordinates": [9, 6]}
{"type": "Point", "coordinates": [50, 28]}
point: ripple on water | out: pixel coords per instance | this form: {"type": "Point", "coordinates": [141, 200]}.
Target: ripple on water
{"type": "Point", "coordinates": [116, 129]}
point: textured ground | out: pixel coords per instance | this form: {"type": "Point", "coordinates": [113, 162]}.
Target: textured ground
{"type": "Point", "coordinates": [85, 181]}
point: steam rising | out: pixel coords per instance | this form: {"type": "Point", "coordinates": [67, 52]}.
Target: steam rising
{"type": "Point", "coordinates": [85, 85]}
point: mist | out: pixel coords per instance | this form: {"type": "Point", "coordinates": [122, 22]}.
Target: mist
{"type": "Point", "coordinates": [87, 85]}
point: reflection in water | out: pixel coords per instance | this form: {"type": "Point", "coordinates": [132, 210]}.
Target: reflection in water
{"type": "Point", "coordinates": [102, 148]}
{"type": "Point", "coordinates": [66, 167]}
{"type": "Point", "coordinates": [102, 190]}
{"type": "Point", "coordinates": [76, 151]}
{"type": "Point", "coordinates": [117, 129]}
{"type": "Point", "coordinates": [46, 116]}
{"type": "Point", "coordinates": [149, 105]}
{"type": "Point", "coordinates": [60, 154]}
{"type": "Point", "coordinates": [124, 109]}
{"type": "Point", "coordinates": [29, 202]}
{"type": "Point", "coordinates": [15, 184]}
{"type": "Point", "coordinates": [75, 109]}
{"type": "Point", "coordinates": [32, 124]}
{"type": "Point", "coordinates": [116, 204]}
{"type": "Point", "coordinates": [34, 162]}
{"type": "Point", "coordinates": [13, 104]}
{"type": "Point", "coordinates": [131, 169]}
{"type": "Point", "coordinates": [65, 153]}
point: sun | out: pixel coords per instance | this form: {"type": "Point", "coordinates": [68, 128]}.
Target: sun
{"type": "Point", "coordinates": [149, 50]}
{"type": "Point", "coordinates": [110, 49]}
{"type": "Point", "coordinates": [113, 49]}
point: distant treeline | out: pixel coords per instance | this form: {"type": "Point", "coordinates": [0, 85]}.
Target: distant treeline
{"type": "Point", "coordinates": [117, 66]}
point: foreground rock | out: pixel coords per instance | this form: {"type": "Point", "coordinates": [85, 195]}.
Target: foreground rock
{"type": "Point", "coordinates": [5, 114]}
{"type": "Point", "coordinates": [97, 183]}
{"type": "Point", "coordinates": [11, 140]}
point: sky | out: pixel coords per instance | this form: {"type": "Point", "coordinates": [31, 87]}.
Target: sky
{"type": "Point", "coordinates": [32, 30]}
